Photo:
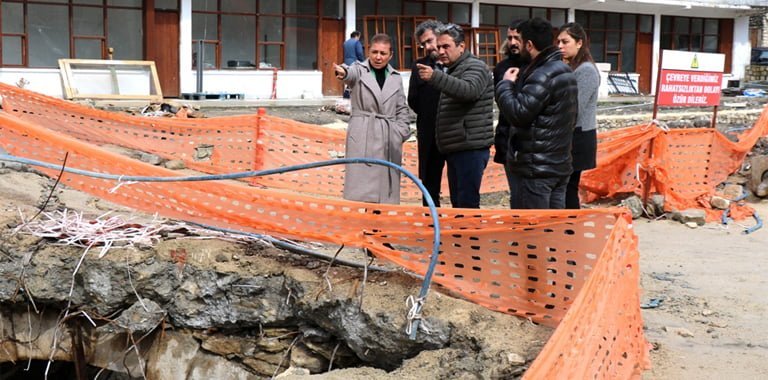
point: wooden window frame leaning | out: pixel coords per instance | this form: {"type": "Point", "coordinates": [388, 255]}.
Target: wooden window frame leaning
{"type": "Point", "coordinates": [70, 91]}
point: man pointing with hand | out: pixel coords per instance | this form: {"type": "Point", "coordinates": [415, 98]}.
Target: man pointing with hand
{"type": "Point", "coordinates": [464, 126]}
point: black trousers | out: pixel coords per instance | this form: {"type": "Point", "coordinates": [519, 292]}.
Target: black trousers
{"type": "Point", "coordinates": [572, 191]}
{"type": "Point", "coordinates": [431, 164]}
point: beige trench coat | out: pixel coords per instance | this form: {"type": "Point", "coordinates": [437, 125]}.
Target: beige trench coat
{"type": "Point", "coordinates": [378, 127]}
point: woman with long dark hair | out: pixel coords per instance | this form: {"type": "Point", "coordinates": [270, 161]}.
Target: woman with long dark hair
{"type": "Point", "coordinates": [574, 45]}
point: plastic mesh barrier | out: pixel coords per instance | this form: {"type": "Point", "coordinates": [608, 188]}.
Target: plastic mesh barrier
{"type": "Point", "coordinates": [220, 144]}
{"type": "Point", "coordinates": [564, 269]}
{"type": "Point", "coordinates": [683, 165]}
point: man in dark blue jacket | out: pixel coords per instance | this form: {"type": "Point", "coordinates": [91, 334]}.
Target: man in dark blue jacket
{"type": "Point", "coordinates": [353, 52]}
{"type": "Point", "coordinates": [423, 99]}
{"type": "Point", "coordinates": [541, 103]}
{"type": "Point", "coordinates": [353, 49]}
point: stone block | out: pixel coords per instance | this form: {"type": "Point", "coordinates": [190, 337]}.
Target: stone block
{"type": "Point", "coordinates": [655, 204]}
{"type": "Point", "coordinates": [719, 203]}
{"type": "Point", "coordinates": [732, 191]}
{"type": "Point", "coordinates": [758, 172]}
{"type": "Point", "coordinates": [635, 205]}
{"type": "Point", "coordinates": [694, 215]}
{"type": "Point", "coordinates": [150, 158]}
{"type": "Point", "coordinates": [175, 165]}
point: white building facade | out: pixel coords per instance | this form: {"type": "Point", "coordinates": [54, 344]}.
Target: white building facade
{"type": "Point", "coordinates": [247, 44]}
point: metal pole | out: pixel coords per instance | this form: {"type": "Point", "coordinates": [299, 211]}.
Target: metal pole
{"type": "Point", "coordinates": [200, 62]}
{"type": "Point", "coordinates": [648, 180]}
{"type": "Point", "coordinates": [658, 80]}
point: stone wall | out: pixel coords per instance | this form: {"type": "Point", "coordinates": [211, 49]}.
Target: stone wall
{"type": "Point", "coordinates": [726, 119]}
{"type": "Point", "coordinates": [754, 73]}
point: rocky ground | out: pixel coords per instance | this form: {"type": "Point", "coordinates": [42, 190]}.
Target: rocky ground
{"type": "Point", "coordinates": [704, 289]}
{"type": "Point", "coordinates": [211, 308]}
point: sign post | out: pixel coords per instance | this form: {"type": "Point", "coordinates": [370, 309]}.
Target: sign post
{"type": "Point", "coordinates": [689, 79]}
{"type": "Point", "coordinates": [686, 79]}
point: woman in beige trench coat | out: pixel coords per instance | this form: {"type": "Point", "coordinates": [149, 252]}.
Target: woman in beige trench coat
{"type": "Point", "coordinates": [378, 126]}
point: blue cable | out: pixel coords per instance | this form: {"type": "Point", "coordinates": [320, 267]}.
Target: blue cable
{"type": "Point", "coordinates": [756, 227]}
{"type": "Point", "coordinates": [425, 285]}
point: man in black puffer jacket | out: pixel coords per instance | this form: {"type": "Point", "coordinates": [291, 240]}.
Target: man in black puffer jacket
{"type": "Point", "coordinates": [541, 102]}
{"type": "Point", "coordinates": [464, 128]}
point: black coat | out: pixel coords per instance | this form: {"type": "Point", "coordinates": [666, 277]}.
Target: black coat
{"type": "Point", "coordinates": [543, 108]}
{"type": "Point", "coordinates": [503, 130]}
{"type": "Point", "coordinates": [423, 100]}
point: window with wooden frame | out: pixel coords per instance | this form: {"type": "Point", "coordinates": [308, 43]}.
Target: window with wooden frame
{"type": "Point", "coordinates": [485, 45]}
{"type": "Point", "coordinates": [386, 16]}
{"type": "Point", "coordinates": [690, 33]}
{"type": "Point", "coordinates": [256, 34]}
{"type": "Point", "coordinates": [613, 36]}
{"type": "Point", "coordinates": [36, 33]}
{"type": "Point", "coordinates": [500, 16]}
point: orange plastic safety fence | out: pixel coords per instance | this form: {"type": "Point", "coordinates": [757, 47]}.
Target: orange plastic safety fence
{"type": "Point", "coordinates": [220, 144]}
{"type": "Point", "coordinates": [535, 264]}
{"type": "Point", "coordinates": [685, 165]}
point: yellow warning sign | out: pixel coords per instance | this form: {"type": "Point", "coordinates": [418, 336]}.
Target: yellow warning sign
{"type": "Point", "coordinates": [695, 62]}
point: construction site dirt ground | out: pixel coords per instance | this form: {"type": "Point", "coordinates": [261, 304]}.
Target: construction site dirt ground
{"type": "Point", "coordinates": [709, 286]}
{"type": "Point", "coordinates": [711, 280]}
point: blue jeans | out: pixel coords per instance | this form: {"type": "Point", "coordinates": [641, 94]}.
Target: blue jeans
{"type": "Point", "coordinates": [465, 173]}
{"type": "Point", "coordinates": [537, 193]}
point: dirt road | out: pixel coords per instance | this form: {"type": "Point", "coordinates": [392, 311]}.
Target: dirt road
{"type": "Point", "coordinates": [711, 323]}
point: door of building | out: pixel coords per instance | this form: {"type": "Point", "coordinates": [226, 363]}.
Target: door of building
{"type": "Point", "coordinates": [331, 41]}
{"type": "Point", "coordinates": [166, 51]}
{"type": "Point", "coordinates": [644, 61]}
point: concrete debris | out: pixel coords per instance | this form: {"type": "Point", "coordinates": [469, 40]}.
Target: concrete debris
{"type": "Point", "coordinates": [692, 224]}
{"type": "Point", "coordinates": [762, 189]}
{"type": "Point", "coordinates": [655, 205]}
{"type": "Point", "coordinates": [732, 191]}
{"type": "Point", "coordinates": [293, 371]}
{"type": "Point", "coordinates": [694, 215]}
{"type": "Point", "coordinates": [719, 202]}
{"type": "Point", "coordinates": [150, 158]}
{"type": "Point", "coordinates": [635, 205]}
{"type": "Point", "coordinates": [203, 152]}
{"type": "Point", "coordinates": [758, 175]}
{"type": "Point", "coordinates": [682, 331]}
{"type": "Point", "coordinates": [175, 165]}
{"type": "Point", "coordinates": [515, 359]}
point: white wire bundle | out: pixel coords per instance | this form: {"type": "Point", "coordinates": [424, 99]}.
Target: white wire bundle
{"type": "Point", "coordinates": [71, 228]}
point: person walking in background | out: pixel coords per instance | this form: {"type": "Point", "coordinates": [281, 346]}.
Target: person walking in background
{"type": "Point", "coordinates": [353, 52]}
{"type": "Point", "coordinates": [378, 125]}
{"type": "Point", "coordinates": [353, 49]}
{"type": "Point", "coordinates": [464, 126]}
{"type": "Point", "coordinates": [503, 130]}
{"type": "Point", "coordinates": [423, 99]}
{"type": "Point", "coordinates": [574, 45]}
{"type": "Point", "coordinates": [542, 107]}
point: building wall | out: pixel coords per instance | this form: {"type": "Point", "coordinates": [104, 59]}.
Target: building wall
{"type": "Point", "coordinates": [257, 84]}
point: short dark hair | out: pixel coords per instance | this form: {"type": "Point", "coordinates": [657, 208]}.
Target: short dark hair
{"type": "Point", "coordinates": [538, 31]}
{"type": "Point", "coordinates": [452, 30]}
{"type": "Point", "coordinates": [515, 24]}
{"type": "Point", "coordinates": [382, 38]}
{"type": "Point", "coordinates": [354, 34]}
{"type": "Point", "coordinates": [422, 28]}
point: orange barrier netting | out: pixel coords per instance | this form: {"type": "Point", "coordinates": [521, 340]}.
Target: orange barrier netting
{"type": "Point", "coordinates": [563, 268]}
{"type": "Point", "coordinates": [685, 166]}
